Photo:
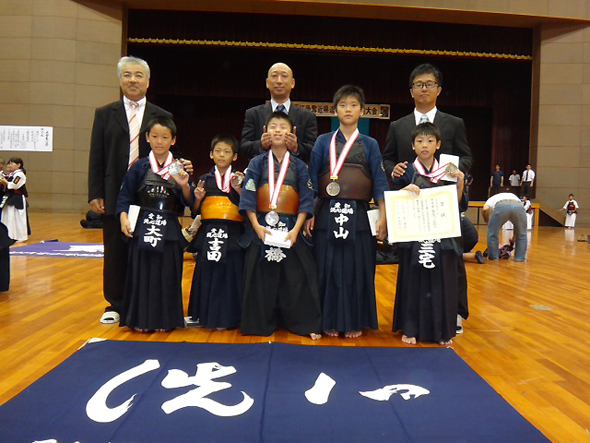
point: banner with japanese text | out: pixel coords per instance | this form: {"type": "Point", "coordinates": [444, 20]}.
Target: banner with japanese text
{"type": "Point", "coordinates": [145, 392]}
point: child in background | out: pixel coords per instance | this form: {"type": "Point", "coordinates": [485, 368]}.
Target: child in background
{"type": "Point", "coordinates": [426, 298]}
{"type": "Point", "coordinates": [216, 291]}
{"type": "Point", "coordinates": [347, 172]}
{"type": "Point", "coordinates": [153, 287]}
{"type": "Point", "coordinates": [280, 283]}
{"type": "Point", "coordinates": [571, 208]}
{"type": "Point", "coordinates": [14, 204]}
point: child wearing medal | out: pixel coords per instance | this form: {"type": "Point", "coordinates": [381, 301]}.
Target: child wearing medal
{"type": "Point", "coordinates": [280, 281]}
{"type": "Point", "coordinates": [347, 172]}
{"type": "Point", "coordinates": [428, 282]}
{"type": "Point", "coordinates": [216, 291]}
{"type": "Point", "coordinates": [153, 287]}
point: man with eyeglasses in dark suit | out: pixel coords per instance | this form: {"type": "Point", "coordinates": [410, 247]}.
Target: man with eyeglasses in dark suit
{"type": "Point", "coordinates": [425, 87]}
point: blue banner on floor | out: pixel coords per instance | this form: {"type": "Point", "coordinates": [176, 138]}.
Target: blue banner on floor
{"type": "Point", "coordinates": [60, 250]}
{"type": "Point", "coordinates": [146, 392]}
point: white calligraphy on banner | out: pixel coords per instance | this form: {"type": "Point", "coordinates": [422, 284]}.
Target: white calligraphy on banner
{"type": "Point", "coordinates": [204, 380]}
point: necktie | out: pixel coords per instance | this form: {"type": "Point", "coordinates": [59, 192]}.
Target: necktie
{"type": "Point", "coordinates": [133, 136]}
{"type": "Point", "coordinates": [281, 108]}
{"type": "Point", "coordinates": [423, 119]}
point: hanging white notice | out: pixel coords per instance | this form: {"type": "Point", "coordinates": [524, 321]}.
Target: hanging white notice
{"type": "Point", "coordinates": [26, 138]}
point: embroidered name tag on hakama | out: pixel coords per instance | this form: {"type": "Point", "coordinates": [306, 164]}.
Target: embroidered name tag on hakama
{"type": "Point", "coordinates": [342, 220]}
{"type": "Point", "coordinates": [216, 247]}
{"type": "Point", "coordinates": [151, 231]}
{"type": "Point", "coordinates": [274, 253]}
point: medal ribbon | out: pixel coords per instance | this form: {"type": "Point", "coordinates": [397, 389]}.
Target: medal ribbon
{"type": "Point", "coordinates": [435, 174]}
{"type": "Point", "coordinates": [336, 164]}
{"type": "Point", "coordinates": [163, 171]}
{"type": "Point", "coordinates": [274, 191]}
{"type": "Point", "coordinates": [226, 179]}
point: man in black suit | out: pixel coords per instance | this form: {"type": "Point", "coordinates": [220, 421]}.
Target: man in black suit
{"type": "Point", "coordinates": [111, 154]}
{"type": "Point", "coordinates": [425, 87]}
{"type": "Point", "coordinates": [255, 139]}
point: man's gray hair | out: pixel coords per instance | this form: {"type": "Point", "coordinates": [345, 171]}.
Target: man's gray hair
{"type": "Point", "coordinates": [128, 60]}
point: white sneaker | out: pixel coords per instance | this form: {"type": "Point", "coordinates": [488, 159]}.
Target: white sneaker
{"type": "Point", "coordinates": [459, 329]}
{"type": "Point", "coordinates": [110, 317]}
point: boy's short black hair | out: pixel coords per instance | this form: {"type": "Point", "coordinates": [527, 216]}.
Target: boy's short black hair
{"type": "Point", "coordinates": [349, 91]}
{"type": "Point", "coordinates": [426, 68]}
{"type": "Point", "coordinates": [426, 129]}
{"type": "Point", "coordinates": [281, 116]}
{"type": "Point", "coordinates": [166, 122]}
{"type": "Point", "coordinates": [228, 139]}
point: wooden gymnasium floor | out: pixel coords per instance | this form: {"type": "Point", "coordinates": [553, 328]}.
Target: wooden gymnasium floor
{"type": "Point", "coordinates": [538, 360]}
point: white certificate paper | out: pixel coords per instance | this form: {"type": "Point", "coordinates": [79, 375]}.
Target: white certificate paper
{"type": "Point", "coordinates": [431, 215]}
{"type": "Point", "coordinates": [277, 238]}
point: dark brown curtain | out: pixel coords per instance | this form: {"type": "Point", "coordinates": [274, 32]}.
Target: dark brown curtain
{"type": "Point", "coordinates": [209, 89]}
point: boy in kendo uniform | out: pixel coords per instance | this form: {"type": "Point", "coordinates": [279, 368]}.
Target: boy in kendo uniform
{"type": "Point", "coordinates": [280, 282]}
{"type": "Point", "coordinates": [159, 185]}
{"type": "Point", "coordinates": [216, 291]}
{"type": "Point", "coordinates": [347, 172]}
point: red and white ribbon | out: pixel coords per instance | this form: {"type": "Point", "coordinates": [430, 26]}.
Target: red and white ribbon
{"type": "Point", "coordinates": [337, 163]}
{"type": "Point", "coordinates": [436, 173]}
{"type": "Point", "coordinates": [223, 183]}
{"type": "Point", "coordinates": [274, 190]}
{"type": "Point", "coordinates": [163, 171]}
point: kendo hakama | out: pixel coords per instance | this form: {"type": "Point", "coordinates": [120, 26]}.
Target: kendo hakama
{"type": "Point", "coordinates": [346, 265]}
{"type": "Point", "coordinates": [5, 243]}
{"type": "Point", "coordinates": [427, 293]}
{"type": "Point", "coordinates": [216, 291]}
{"type": "Point", "coordinates": [345, 249]}
{"type": "Point", "coordinates": [153, 287]}
{"type": "Point", "coordinates": [280, 285]}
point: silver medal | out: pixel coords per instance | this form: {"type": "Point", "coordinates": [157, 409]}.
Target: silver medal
{"type": "Point", "coordinates": [271, 218]}
{"type": "Point", "coordinates": [333, 189]}
{"type": "Point", "coordinates": [450, 168]}
{"type": "Point", "coordinates": [175, 168]}
{"type": "Point", "coordinates": [237, 180]}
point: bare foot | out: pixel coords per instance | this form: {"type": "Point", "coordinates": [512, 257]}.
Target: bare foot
{"type": "Point", "coordinates": [315, 336]}
{"type": "Point", "coordinates": [221, 329]}
{"type": "Point", "coordinates": [409, 340]}
{"type": "Point", "coordinates": [353, 334]}
{"type": "Point", "coordinates": [445, 343]}
{"type": "Point", "coordinates": [143, 331]}
{"type": "Point", "coordinates": [331, 333]}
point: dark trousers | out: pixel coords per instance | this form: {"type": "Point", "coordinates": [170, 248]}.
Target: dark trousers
{"type": "Point", "coordinates": [526, 190]}
{"type": "Point", "coordinates": [4, 269]}
{"type": "Point", "coordinates": [115, 262]}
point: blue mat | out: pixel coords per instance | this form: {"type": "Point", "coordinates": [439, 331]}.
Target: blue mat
{"type": "Point", "coordinates": [60, 250]}
{"type": "Point", "coordinates": [146, 392]}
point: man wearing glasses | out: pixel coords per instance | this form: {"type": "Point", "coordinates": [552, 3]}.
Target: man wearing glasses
{"type": "Point", "coordinates": [425, 87]}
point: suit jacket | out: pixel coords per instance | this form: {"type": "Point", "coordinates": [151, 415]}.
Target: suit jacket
{"type": "Point", "coordinates": [109, 150]}
{"type": "Point", "coordinates": [398, 145]}
{"type": "Point", "coordinates": [255, 119]}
